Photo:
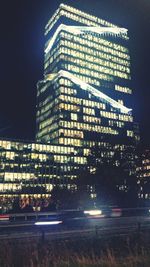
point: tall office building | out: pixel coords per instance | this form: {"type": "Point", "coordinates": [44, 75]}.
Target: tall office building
{"type": "Point", "coordinates": [85, 96]}
{"type": "Point", "coordinates": [83, 106]}
{"type": "Point", "coordinates": [143, 174]}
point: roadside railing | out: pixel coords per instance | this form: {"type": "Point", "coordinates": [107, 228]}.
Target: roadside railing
{"type": "Point", "coordinates": [105, 212]}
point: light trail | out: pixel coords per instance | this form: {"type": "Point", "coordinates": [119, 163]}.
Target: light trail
{"type": "Point", "coordinates": [48, 223]}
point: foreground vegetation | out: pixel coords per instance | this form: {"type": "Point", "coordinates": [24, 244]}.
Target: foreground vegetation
{"type": "Point", "coordinates": [133, 251]}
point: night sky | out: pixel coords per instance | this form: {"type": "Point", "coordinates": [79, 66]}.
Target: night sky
{"type": "Point", "coordinates": [22, 43]}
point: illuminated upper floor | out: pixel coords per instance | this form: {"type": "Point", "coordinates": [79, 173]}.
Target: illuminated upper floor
{"type": "Point", "coordinates": [76, 15]}
{"type": "Point", "coordinates": [87, 46]}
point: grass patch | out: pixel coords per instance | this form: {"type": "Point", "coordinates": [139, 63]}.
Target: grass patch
{"type": "Point", "coordinates": [132, 251]}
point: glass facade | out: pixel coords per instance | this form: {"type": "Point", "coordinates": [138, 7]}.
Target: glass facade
{"type": "Point", "coordinates": [143, 174]}
{"type": "Point", "coordinates": [84, 97]}
{"type": "Point", "coordinates": [34, 168]}
{"type": "Point", "coordinates": [83, 101]}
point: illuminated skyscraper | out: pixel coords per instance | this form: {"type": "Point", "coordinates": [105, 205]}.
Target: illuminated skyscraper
{"type": "Point", "coordinates": [84, 110]}
{"type": "Point", "coordinates": [85, 96]}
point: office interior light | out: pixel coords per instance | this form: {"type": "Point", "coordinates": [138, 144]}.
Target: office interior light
{"type": "Point", "coordinates": [77, 30]}
{"type": "Point", "coordinates": [85, 86]}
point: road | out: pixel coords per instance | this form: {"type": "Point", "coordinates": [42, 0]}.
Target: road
{"type": "Point", "coordinates": [75, 228]}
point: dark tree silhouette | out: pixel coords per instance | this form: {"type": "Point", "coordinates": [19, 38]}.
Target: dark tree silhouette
{"type": "Point", "coordinates": [110, 178]}
{"type": "Point", "coordinates": [16, 206]}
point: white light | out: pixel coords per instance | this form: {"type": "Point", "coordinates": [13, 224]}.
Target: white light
{"type": "Point", "coordinates": [48, 223]}
{"type": "Point", "coordinates": [76, 30]}
{"type": "Point", "coordinates": [51, 42]}
{"type": "Point", "coordinates": [92, 90]}
{"type": "Point", "coordinates": [4, 218]}
{"type": "Point", "coordinates": [93, 212]}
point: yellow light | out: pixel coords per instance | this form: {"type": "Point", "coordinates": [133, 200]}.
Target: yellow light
{"type": "Point", "coordinates": [93, 212]}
